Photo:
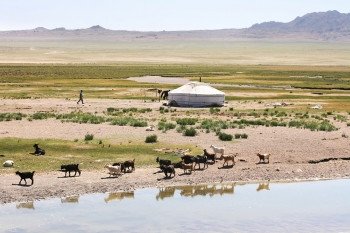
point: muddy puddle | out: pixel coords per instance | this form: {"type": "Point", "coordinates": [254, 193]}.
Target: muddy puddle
{"type": "Point", "coordinates": [319, 206]}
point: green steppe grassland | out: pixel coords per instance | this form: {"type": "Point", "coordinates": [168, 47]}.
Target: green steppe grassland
{"type": "Point", "coordinates": [290, 72]}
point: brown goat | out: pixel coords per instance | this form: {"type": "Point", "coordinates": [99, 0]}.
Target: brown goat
{"type": "Point", "coordinates": [227, 158]}
{"type": "Point", "coordinates": [262, 157]}
{"type": "Point", "coordinates": [188, 167]}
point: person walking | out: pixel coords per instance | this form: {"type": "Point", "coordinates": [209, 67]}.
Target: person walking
{"type": "Point", "coordinates": [81, 97]}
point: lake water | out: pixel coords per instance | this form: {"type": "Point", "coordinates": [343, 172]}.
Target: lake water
{"type": "Point", "coordinates": [321, 206]}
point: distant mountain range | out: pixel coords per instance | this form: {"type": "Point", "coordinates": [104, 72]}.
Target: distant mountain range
{"type": "Point", "coordinates": [324, 26]}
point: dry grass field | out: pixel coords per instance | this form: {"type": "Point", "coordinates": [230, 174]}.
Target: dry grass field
{"type": "Point", "coordinates": [208, 52]}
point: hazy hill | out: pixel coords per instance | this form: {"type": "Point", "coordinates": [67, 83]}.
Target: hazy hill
{"type": "Point", "coordinates": [324, 26]}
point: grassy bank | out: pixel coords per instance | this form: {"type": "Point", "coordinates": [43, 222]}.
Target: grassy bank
{"type": "Point", "coordinates": [89, 154]}
{"type": "Point", "coordinates": [252, 83]}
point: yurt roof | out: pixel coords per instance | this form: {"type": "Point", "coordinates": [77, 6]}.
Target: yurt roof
{"type": "Point", "coordinates": [196, 88]}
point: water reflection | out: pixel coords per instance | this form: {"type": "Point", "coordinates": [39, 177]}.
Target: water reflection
{"type": "Point", "coordinates": [263, 186]}
{"type": "Point", "coordinates": [71, 199]}
{"type": "Point", "coordinates": [119, 196]}
{"type": "Point", "coordinates": [196, 190]}
{"type": "Point", "coordinates": [233, 207]}
{"type": "Point", "coordinates": [166, 192]}
{"type": "Point", "coordinates": [209, 190]}
{"type": "Point", "coordinates": [25, 205]}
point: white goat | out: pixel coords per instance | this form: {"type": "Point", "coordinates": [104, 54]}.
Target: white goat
{"type": "Point", "coordinates": [220, 150]}
{"type": "Point", "coordinates": [114, 170]}
{"type": "Point", "coordinates": [150, 128]}
{"type": "Point", "coordinates": [8, 163]}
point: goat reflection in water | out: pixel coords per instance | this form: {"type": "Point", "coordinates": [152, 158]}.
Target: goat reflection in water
{"type": "Point", "coordinates": [25, 205]}
{"type": "Point", "coordinates": [119, 196]}
{"type": "Point", "coordinates": [263, 186]}
{"type": "Point", "coordinates": [71, 199]}
{"type": "Point", "coordinates": [196, 190]}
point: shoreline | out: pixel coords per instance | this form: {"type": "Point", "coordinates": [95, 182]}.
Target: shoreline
{"type": "Point", "coordinates": [52, 185]}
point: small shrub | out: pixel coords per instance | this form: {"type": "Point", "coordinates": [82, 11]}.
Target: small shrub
{"type": "Point", "coordinates": [144, 110]}
{"type": "Point", "coordinates": [89, 137]}
{"type": "Point", "coordinates": [137, 123]}
{"type": "Point", "coordinates": [225, 137]}
{"type": "Point", "coordinates": [186, 121]}
{"type": "Point", "coordinates": [191, 132]}
{"type": "Point", "coordinates": [165, 126]}
{"type": "Point", "coordinates": [42, 115]}
{"type": "Point", "coordinates": [214, 110]}
{"type": "Point", "coordinates": [151, 138]}
{"type": "Point", "coordinates": [181, 128]}
{"type": "Point", "coordinates": [237, 135]}
{"type": "Point", "coordinates": [244, 136]}
{"type": "Point", "coordinates": [274, 123]}
{"type": "Point", "coordinates": [111, 110]}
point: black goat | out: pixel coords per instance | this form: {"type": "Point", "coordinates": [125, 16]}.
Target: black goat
{"type": "Point", "coordinates": [26, 175]}
{"type": "Point", "coordinates": [38, 151]}
{"type": "Point", "coordinates": [69, 168]}
{"type": "Point", "coordinates": [166, 162]}
{"type": "Point", "coordinates": [209, 155]}
{"type": "Point", "coordinates": [187, 159]}
{"type": "Point", "coordinates": [168, 170]}
{"type": "Point", "coordinates": [164, 95]}
{"type": "Point", "coordinates": [177, 165]}
{"type": "Point", "coordinates": [129, 164]}
{"type": "Point", "coordinates": [201, 159]}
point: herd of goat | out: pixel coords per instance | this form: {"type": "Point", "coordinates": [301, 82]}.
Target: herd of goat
{"type": "Point", "coordinates": [188, 163]}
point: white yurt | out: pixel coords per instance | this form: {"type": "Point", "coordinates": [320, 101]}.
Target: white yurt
{"type": "Point", "coordinates": [196, 94]}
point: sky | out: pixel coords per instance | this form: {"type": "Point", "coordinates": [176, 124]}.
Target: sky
{"type": "Point", "coordinates": [156, 15]}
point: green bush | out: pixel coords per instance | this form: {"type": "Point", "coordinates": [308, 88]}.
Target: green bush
{"type": "Point", "coordinates": [42, 115]}
{"type": "Point", "coordinates": [137, 123]}
{"type": "Point", "coordinates": [237, 135]}
{"type": "Point", "coordinates": [151, 139]}
{"type": "Point", "coordinates": [214, 110]}
{"type": "Point", "coordinates": [225, 137]}
{"type": "Point", "coordinates": [244, 136]}
{"type": "Point", "coordinates": [11, 116]}
{"type": "Point", "coordinates": [165, 126]}
{"type": "Point", "coordinates": [89, 137]}
{"type": "Point", "coordinates": [144, 110]}
{"type": "Point", "coordinates": [186, 121]}
{"type": "Point", "coordinates": [191, 132]}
